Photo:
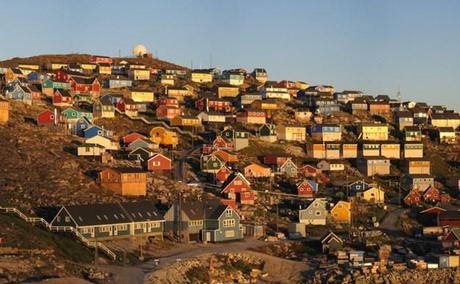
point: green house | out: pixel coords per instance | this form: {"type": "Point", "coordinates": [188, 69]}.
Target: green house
{"type": "Point", "coordinates": [73, 114]}
{"type": "Point", "coordinates": [267, 132]}
{"type": "Point", "coordinates": [111, 221]}
{"type": "Point", "coordinates": [210, 163]}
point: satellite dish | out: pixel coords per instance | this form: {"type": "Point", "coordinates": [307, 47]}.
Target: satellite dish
{"type": "Point", "coordinates": [139, 50]}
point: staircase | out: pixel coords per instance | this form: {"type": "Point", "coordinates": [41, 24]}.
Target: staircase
{"type": "Point", "coordinates": [161, 123]}
{"type": "Point", "coordinates": [44, 223]}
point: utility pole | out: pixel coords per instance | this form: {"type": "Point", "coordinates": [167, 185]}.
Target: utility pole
{"type": "Point", "coordinates": [180, 217]}
{"type": "Point", "coordinates": [277, 215]}
{"type": "Point", "coordinates": [95, 253]}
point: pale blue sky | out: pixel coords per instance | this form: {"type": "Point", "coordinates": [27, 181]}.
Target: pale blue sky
{"type": "Point", "coordinates": [374, 46]}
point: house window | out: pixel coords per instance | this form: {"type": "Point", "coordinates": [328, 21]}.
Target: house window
{"type": "Point", "coordinates": [229, 223]}
{"type": "Point", "coordinates": [317, 213]}
{"type": "Point", "coordinates": [67, 219]}
{"type": "Point", "coordinates": [122, 227]}
{"type": "Point", "coordinates": [105, 229]}
{"type": "Point", "coordinates": [229, 212]}
{"type": "Point", "coordinates": [59, 218]}
{"type": "Point", "coordinates": [237, 182]}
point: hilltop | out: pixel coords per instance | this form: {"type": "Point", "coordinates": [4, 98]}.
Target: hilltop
{"type": "Point", "coordinates": [85, 58]}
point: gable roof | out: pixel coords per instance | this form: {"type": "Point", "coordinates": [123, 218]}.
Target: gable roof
{"type": "Point", "coordinates": [113, 213]}
{"type": "Point", "coordinates": [232, 177]}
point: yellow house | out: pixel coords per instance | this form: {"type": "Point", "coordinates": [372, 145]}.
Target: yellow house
{"type": "Point", "coordinates": [57, 66]}
{"type": "Point", "coordinates": [139, 74]}
{"type": "Point", "coordinates": [105, 68]}
{"type": "Point", "coordinates": [184, 120]}
{"type": "Point", "coordinates": [88, 66]}
{"type": "Point", "coordinates": [160, 135]}
{"type": "Point", "coordinates": [265, 104]}
{"type": "Point", "coordinates": [178, 93]}
{"type": "Point", "coordinates": [13, 73]}
{"type": "Point", "coordinates": [227, 91]}
{"type": "Point", "coordinates": [301, 85]}
{"type": "Point", "coordinates": [168, 80]}
{"type": "Point", "coordinates": [35, 67]}
{"type": "Point", "coordinates": [341, 212]}
{"type": "Point", "coordinates": [374, 132]}
{"type": "Point", "coordinates": [373, 194]}
{"type": "Point", "coordinates": [201, 77]}
{"type": "Point", "coordinates": [137, 66]}
{"type": "Point", "coordinates": [142, 96]}
{"type": "Point", "coordinates": [291, 133]}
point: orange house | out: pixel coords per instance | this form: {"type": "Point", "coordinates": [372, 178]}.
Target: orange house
{"type": "Point", "coordinates": [225, 156]}
{"type": "Point", "coordinates": [124, 181]}
{"type": "Point", "coordinates": [341, 212]}
{"type": "Point", "coordinates": [256, 171]}
{"type": "Point", "coordinates": [4, 111]}
{"type": "Point", "coordinates": [379, 108]}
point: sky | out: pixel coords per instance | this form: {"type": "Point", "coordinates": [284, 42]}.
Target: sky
{"type": "Point", "coordinates": [377, 47]}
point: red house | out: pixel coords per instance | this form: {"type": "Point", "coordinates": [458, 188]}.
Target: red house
{"type": "Point", "coordinates": [238, 188]}
{"type": "Point", "coordinates": [167, 112]}
{"type": "Point", "coordinates": [309, 171]}
{"type": "Point", "coordinates": [100, 59]}
{"type": "Point", "coordinates": [445, 198]}
{"type": "Point", "coordinates": [273, 160]}
{"type": "Point", "coordinates": [61, 75]}
{"type": "Point", "coordinates": [431, 195]}
{"type": "Point", "coordinates": [307, 188]}
{"type": "Point", "coordinates": [159, 162]}
{"type": "Point", "coordinates": [36, 94]}
{"type": "Point", "coordinates": [223, 174]}
{"type": "Point", "coordinates": [286, 84]}
{"type": "Point", "coordinates": [62, 98]}
{"type": "Point", "coordinates": [126, 105]}
{"type": "Point", "coordinates": [168, 101]}
{"type": "Point", "coordinates": [46, 118]}
{"type": "Point", "coordinates": [213, 104]}
{"type": "Point", "coordinates": [449, 218]}
{"type": "Point", "coordinates": [127, 139]}
{"type": "Point", "coordinates": [413, 198]}
{"type": "Point", "coordinates": [80, 85]}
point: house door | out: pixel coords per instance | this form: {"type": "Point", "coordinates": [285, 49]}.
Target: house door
{"type": "Point", "coordinates": [92, 233]}
{"type": "Point", "coordinates": [115, 231]}
{"type": "Point", "coordinates": [208, 236]}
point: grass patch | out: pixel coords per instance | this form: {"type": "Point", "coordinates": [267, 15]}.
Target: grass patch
{"type": "Point", "coordinates": [17, 233]}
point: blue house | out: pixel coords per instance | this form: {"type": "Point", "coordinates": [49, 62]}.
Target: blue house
{"type": "Point", "coordinates": [113, 98]}
{"type": "Point", "coordinates": [21, 94]}
{"type": "Point", "coordinates": [200, 221]}
{"type": "Point", "coordinates": [118, 82]}
{"type": "Point", "coordinates": [358, 186]}
{"type": "Point", "coordinates": [36, 76]}
{"type": "Point", "coordinates": [81, 125]}
{"type": "Point", "coordinates": [95, 130]}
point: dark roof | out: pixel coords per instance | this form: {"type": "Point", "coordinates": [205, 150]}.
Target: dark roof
{"type": "Point", "coordinates": [98, 214]}
{"type": "Point", "coordinates": [449, 214]}
{"type": "Point", "coordinates": [195, 209]}
{"type": "Point", "coordinates": [141, 211]}
{"type": "Point", "coordinates": [128, 170]}
{"type": "Point", "coordinates": [114, 213]}
{"type": "Point", "coordinates": [446, 129]}
{"type": "Point", "coordinates": [404, 114]}
{"type": "Point", "coordinates": [64, 93]}
{"type": "Point", "coordinates": [411, 128]}
{"type": "Point", "coordinates": [81, 80]}
{"type": "Point", "coordinates": [445, 115]}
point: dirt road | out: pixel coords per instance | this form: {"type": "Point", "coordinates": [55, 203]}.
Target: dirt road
{"type": "Point", "coordinates": [136, 274]}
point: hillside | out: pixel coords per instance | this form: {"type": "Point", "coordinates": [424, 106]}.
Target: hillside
{"type": "Point", "coordinates": [85, 58]}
